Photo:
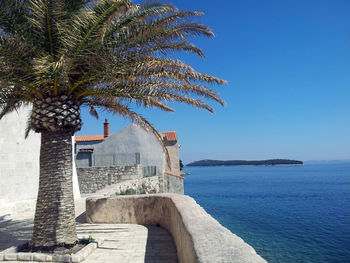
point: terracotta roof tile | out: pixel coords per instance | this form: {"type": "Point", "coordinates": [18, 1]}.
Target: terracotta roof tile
{"type": "Point", "coordinates": [170, 136]}
{"type": "Point", "coordinates": [88, 138]}
{"type": "Point", "coordinates": [166, 172]}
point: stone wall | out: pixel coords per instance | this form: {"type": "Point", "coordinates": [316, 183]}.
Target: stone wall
{"type": "Point", "coordinates": [198, 237]}
{"type": "Point", "coordinates": [92, 179]}
{"type": "Point", "coordinates": [173, 184]}
{"type": "Point", "coordinates": [173, 150]}
{"type": "Point", "coordinates": [147, 185]}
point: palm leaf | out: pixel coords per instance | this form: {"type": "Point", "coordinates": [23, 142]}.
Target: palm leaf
{"type": "Point", "coordinates": [105, 54]}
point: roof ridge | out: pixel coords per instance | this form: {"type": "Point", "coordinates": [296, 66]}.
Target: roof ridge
{"type": "Point", "coordinates": [169, 135]}
{"type": "Point", "coordinates": [86, 138]}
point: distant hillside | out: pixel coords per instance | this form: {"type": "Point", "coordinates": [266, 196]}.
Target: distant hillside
{"type": "Point", "coordinates": [241, 162]}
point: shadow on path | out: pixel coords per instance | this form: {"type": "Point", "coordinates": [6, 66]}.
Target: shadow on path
{"type": "Point", "coordinates": [160, 246]}
{"type": "Point", "coordinates": [14, 232]}
{"type": "Point", "coordinates": [81, 218]}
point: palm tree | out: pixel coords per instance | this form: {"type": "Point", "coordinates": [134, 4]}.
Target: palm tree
{"type": "Point", "coordinates": [59, 55]}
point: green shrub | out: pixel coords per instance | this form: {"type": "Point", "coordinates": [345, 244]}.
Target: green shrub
{"type": "Point", "coordinates": [128, 191]}
{"type": "Point", "coordinates": [86, 241]}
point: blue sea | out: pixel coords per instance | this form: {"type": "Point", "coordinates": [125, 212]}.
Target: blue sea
{"type": "Point", "coordinates": [287, 213]}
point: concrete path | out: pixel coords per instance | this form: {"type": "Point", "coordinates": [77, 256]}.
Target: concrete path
{"type": "Point", "coordinates": [122, 242]}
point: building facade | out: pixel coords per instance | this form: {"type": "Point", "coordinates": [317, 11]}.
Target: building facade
{"type": "Point", "coordinates": [132, 145]}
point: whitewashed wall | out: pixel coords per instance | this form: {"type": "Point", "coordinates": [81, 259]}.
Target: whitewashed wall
{"type": "Point", "coordinates": [19, 161]}
{"type": "Point", "coordinates": [133, 139]}
{"type": "Point", "coordinates": [19, 158]}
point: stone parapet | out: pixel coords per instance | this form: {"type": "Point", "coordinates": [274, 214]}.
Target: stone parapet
{"type": "Point", "coordinates": [197, 235]}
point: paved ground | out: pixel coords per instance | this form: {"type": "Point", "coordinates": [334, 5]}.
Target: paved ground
{"type": "Point", "coordinates": [130, 243]}
{"type": "Point", "coordinates": [123, 242]}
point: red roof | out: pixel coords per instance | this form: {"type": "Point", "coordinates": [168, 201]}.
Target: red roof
{"type": "Point", "coordinates": [166, 172]}
{"type": "Point", "coordinates": [89, 138]}
{"type": "Point", "coordinates": [170, 136]}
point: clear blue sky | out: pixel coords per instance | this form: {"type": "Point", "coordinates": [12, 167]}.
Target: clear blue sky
{"type": "Point", "coordinates": [287, 64]}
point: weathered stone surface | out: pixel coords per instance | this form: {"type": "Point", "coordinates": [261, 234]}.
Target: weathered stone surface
{"type": "Point", "coordinates": [99, 241]}
{"type": "Point", "coordinates": [54, 221]}
{"type": "Point", "coordinates": [43, 257]}
{"type": "Point", "coordinates": [84, 252]}
{"type": "Point", "coordinates": [55, 110]}
{"type": "Point", "coordinates": [198, 236]}
{"type": "Point", "coordinates": [48, 258]}
{"type": "Point", "coordinates": [61, 258]}
{"type": "Point", "coordinates": [24, 256]}
{"type": "Point", "coordinates": [92, 179]}
{"type": "Point", "coordinates": [8, 257]}
{"type": "Point", "coordinates": [39, 257]}
{"type": "Point", "coordinates": [173, 184]}
{"type": "Point", "coordinates": [148, 185]}
{"type": "Point", "coordinates": [77, 258]}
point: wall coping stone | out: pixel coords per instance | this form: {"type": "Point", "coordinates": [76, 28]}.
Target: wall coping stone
{"type": "Point", "coordinates": [197, 235]}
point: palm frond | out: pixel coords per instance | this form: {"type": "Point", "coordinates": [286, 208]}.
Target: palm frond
{"type": "Point", "coordinates": [136, 14]}
{"type": "Point", "coordinates": [72, 7]}
{"type": "Point", "coordinates": [102, 11]}
{"type": "Point", "coordinates": [93, 111]}
{"type": "Point", "coordinates": [104, 54]}
{"type": "Point", "coordinates": [12, 98]}
{"type": "Point", "coordinates": [12, 18]}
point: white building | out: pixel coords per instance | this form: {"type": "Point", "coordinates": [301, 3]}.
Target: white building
{"type": "Point", "coordinates": [131, 145]}
{"type": "Point", "coordinates": [19, 163]}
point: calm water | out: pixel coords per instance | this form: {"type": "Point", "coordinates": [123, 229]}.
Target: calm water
{"type": "Point", "coordinates": [288, 214]}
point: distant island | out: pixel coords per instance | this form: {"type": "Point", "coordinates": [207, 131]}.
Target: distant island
{"type": "Point", "coordinates": [242, 162]}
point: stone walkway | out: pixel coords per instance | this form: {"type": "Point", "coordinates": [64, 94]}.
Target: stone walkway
{"type": "Point", "coordinates": [122, 242]}
{"type": "Point", "coordinates": [130, 243]}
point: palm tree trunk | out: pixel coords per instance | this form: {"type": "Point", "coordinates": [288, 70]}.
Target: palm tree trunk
{"type": "Point", "coordinates": [54, 223]}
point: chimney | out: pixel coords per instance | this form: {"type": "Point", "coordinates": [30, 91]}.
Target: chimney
{"type": "Point", "coordinates": [106, 128]}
